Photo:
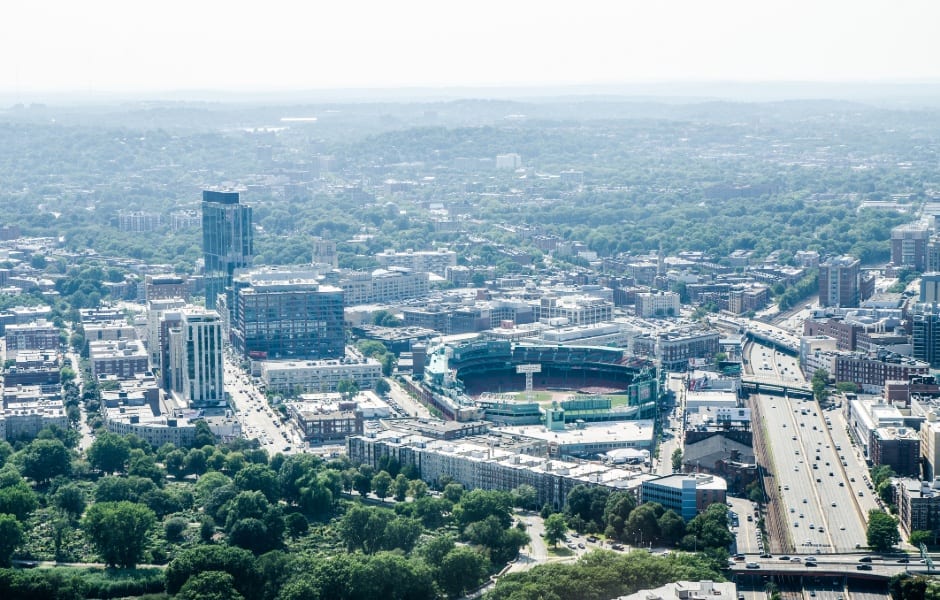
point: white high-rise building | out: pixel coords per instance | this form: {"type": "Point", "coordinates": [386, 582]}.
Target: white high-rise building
{"type": "Point", "coordinates": [511, 161]}
{"type": "Point", "coordinates": [657, 304]}
{"type": "Point", "coordinates": [196, 357]}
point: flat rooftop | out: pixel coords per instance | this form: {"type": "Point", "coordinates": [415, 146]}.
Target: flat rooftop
{"type": "Point", "coordinates": [639, 432]}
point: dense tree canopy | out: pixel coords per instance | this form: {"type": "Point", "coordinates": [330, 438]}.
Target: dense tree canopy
{"type": "Point", "coordinates": [882, 533]}
{"type": "Point", "coordinates": [119, 531]}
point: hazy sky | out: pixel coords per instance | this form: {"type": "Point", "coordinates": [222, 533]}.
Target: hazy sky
{"type": "Point", "coordinates": [164, 45]}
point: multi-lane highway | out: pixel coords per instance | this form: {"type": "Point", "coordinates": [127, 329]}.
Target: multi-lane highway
{"type": "Point", "coordinates": [819, 477]}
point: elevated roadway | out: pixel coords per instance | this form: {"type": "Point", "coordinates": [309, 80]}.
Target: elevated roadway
{"type": "Point", "coordinates": [842, 566]}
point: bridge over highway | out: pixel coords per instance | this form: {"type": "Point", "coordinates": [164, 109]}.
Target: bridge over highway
{"type": "Point", "coordinates": [757, 384]}
{"type": "Point", "coordinates": [841, 566]}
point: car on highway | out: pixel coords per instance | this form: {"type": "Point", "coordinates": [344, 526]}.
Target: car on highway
{"type": "Point", "coordinates": [752, 565]}
{"type": "Point", "coordinates": [865, 559]}
{"type": "Point", "coordinates": [863, 567]}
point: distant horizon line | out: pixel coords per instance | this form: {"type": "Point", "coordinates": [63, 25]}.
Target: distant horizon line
{"type": "Point", "coordinates": [673, 88]}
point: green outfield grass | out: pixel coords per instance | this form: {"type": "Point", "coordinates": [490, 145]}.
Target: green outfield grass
{"type": "Point", "coordinates": [537, 396]}
{"type": "Point", "coordinates": [618, 400]}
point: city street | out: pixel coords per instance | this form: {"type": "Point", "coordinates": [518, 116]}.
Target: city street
{"type": "Point", "coordinates": [537, 551]}
{"type": "Point", "coordinates": [409, 405]}
{"type": "Point", "coordinates": [672, 426]}
{"type": "Point", "coordinates": [259, 421]}
{"type": "Point", "coordinates": [746, 533]}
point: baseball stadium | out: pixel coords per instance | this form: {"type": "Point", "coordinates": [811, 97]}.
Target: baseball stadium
{"type": "Point", "coordinates": [592, 381]}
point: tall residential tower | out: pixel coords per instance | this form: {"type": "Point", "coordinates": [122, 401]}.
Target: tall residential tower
{"type": "Point", "coordinates": [197, 374]}
{"type": "Point", "coordinates": [227, 239]}
{"type": "Point", "coordinates": [839, 282]}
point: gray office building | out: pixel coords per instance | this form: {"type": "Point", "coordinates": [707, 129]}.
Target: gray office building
{"type": "Point", "coordinates": [287, 314]}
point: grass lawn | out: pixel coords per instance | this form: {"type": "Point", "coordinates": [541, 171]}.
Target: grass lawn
{"type": "Point", "coordinates": [618, 400]}
{"type": "Point", "coordinates": [537, 396]}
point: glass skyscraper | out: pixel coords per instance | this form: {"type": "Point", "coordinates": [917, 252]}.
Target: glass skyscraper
{"type": "Point", "coordinates": [227, 241]}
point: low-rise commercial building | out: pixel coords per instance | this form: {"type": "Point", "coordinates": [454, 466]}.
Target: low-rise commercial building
{"type": "Point", "coordinates": [124, 358]}
{"type": "Point", "coordinates": [687, 495]}
{"type": "Point", "coordinates": [325, 426]}
{"type": "Point", "coordinates": [674, 348]}
{"type": "Point", "coordinates": [319, 375]}
{"type": "Point", "coordinates": [589, 439]}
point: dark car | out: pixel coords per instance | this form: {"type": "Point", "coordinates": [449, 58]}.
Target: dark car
{"type": "Point", "coordinates": [865, 559]}
{"type": "Point", "coordinates": [863, 567]}
{"type": "Point", "coordinates": [903, 561]}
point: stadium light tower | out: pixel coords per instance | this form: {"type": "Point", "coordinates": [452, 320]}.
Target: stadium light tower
{"type": "Point", "coordinates": [528, 370]}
